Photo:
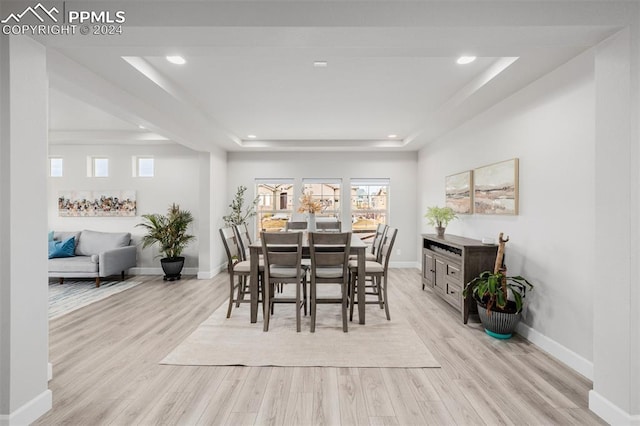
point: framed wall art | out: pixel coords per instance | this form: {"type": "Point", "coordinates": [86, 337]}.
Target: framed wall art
{"type": "Point", "coordinates": [97, 203]}
{"type": "Point", "coordinates": [495, 188]}
{"type": "Point", "coordinates": [458, 192]}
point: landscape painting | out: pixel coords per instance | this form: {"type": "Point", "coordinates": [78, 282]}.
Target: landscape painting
{"type": "Point", "coordinates": [97, 203]}
{"type": "Point", "coordinates": [458, 192]}
{"type": "Point", "coordinates": [496, 188]}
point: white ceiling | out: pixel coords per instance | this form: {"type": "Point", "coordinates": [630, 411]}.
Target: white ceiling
{"type": "Point", "coordinates": [250, 71]}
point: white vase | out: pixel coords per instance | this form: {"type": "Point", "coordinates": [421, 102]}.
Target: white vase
{"type": "Point", "coordinates": [311, 222]}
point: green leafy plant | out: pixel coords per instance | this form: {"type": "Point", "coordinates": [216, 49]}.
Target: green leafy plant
{"type": "Point", "coordinates": [440, 216]}
{"type": "Point", "coordinates": [492, 290]}
{"type": "Point", "coordinates": [239, 214]}
{"type": "Point", "coordinates": [169, 231]}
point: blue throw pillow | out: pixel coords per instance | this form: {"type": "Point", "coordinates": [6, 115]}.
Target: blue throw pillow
{"type": "Point", "coordinates": [64, 248]}
{"type": "Point", "coordinates": [50, 236]}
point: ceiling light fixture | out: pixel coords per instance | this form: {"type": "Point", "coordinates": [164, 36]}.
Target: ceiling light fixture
{"type": "Point", "coordinates": [178, 60]}
{"type": "Point", "coordinates": [251, 136]}
{"type": "Point", "coordinates": [140, 126]}
{"type": "Point", "coordinates": [320, 64]}
{"type": "Point", "coordinates": [464, 60]}
{"type": "Point", "coordinates": [392, 136]}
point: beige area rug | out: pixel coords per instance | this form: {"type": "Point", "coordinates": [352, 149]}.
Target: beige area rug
{"type": "Point", "coordinates": [235, 341]}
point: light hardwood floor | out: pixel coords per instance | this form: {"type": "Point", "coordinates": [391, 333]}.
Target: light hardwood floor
{"type": "Point", "coordinates": [105, 371]}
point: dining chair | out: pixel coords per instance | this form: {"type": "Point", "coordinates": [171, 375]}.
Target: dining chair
{"type": "Point", "coordinates": [329, 225]}
{"type": "Point", "coordinates": [329, 265]}
{"type": "Point", "coordinates": [283, 265]}
{"type": "Point", "coordinates": [374, 252]}
{"type": "Point", "coordinates": [291, 225]}
{"type": "Point", "coordinates": [378, 271]}
{"type": "Point", "coordinates": [237, 266]}
{"type": "Point", "coordinates": [244, 241]}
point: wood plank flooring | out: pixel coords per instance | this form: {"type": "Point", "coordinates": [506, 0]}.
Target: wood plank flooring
{"type": "Point", "coordinates": [105, 371]}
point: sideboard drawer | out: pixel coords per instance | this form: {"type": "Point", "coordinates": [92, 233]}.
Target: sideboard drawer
{"type": "Point", "coordinates": [454, 272]}
{"type": "Point", "coordinates": [454, 294]}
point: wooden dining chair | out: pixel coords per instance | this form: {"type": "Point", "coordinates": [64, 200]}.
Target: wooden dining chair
{"type": "Point", "coordinates": [378, 272]}
{"type": "Point", "coordinates": [329, 225]}
{"type": "Point", "coordinates": [329, 265]}
{"type": "Point", "coordinates": [283, 265]}
{"type": "Point", "coordinates": [244, 241]}
{"type": "Point", "coordinates": [237, 266]}
{"type": "Point", "coordinates": [292, 226]}
{"type": "Point", "coordinates": [374, 251]}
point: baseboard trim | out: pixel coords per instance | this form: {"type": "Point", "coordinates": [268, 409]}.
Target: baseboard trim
{"type": "Point", "coordinates": [29, 412]}
{"type": "Point", "coordinates": [403, 265]}
{"type": "Point", "coordinates": [207, 275]}
{"type": "Point", "coordinates": [158, 271]}
{"type": "Point", "coordinates": [610, 412]}
{"type": "Point", "coordinates": [49, 371]}
{"type": "Point", "coordinates": [567, 356]}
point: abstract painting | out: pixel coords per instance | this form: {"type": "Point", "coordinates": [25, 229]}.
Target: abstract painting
{"type": "Point", "coordinates": [496, 188]}
{"type": "Point", "coordinates": [96, 203]}
{"type": "Point", "coordinates": [458, 192]}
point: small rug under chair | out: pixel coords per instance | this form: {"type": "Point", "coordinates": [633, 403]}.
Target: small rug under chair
{"type": "Point", "coordinates": [235, 341]}
{"type": "Point", "coordinates": [77, 293]}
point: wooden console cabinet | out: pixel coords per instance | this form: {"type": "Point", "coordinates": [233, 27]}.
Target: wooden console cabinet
{"type": "Point", "coordinates": [450, 262]}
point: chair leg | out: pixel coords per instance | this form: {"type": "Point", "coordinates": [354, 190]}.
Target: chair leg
{"type": "Point", "coordinates": [267, 305]}
{"type": "Point", "coordinates": [378, 281]}
{"type": "Point", "coordinates": [97, 282]}
{"type": "Point", "coordinates": [313, 305]}
{"type": "Point", "coordinates": [231, 288]}
{"type": "Point", "coordinates": [298, 307]}
{"type": "Point", "coordinates": [353, 295]}
{"type": "Point", "coordinates": [241, 284]}
{"type": "Point", "coordinates": [386, 299]}
{"type": "Point", "coordinates": [345, 286]}
{"type": "Point", "coordinates": [304, 293]}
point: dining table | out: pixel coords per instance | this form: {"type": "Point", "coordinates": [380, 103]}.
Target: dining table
{"type": "Point", "coordinates": [358, 248]}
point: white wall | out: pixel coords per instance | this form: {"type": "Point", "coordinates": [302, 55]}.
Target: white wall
{"type": "Point", "coordinates": [23, 278]}
{"type": "Point", "coordinates": [549, 126]}
{"type": "Point", "coordinates": [399, 167]}
{"type": "Point", "coordinates": [176, 180]}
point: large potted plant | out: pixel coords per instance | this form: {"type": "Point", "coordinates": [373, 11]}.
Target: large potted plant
{"type": "Point", "coordinates": [170, 232]}
{"type": "Point", "coordinates": [499, 297]}
{"type": "Point", "coordinates": [440, 218]}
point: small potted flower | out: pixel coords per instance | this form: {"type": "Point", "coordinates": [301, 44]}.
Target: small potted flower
{"type": "Point", "coordinates": [440, 218]}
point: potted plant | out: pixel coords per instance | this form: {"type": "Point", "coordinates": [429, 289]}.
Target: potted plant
{"type": "Point", "coordinates": [499, 297]}
{"type": "Point", "coordinates": [170, 232]}
{"type": "Point", "coordinates": [239, 214]}
{"type": "Point", "coordinates": [440, 218]}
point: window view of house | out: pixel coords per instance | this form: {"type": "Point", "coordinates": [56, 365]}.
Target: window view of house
{"type": "Point", "coordinates": [369, 205]}
{"type": "Point", "coordinates": [275, 204]}
{"type": "Point", "coordinates": [327, 192]}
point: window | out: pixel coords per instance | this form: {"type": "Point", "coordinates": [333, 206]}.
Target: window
{"type": "Point", "coordinates": [98, 167]}
{"type": "Point", "coordinates": [55, 167]}
{"type": "Point", "coordinates": [369, 205]}
{"type": "Point", "coordinates": [275, 203]}
{"type": "Point", "coordinates": [327, 191]}
{"type": "Point", "coordinates": [143, 167]}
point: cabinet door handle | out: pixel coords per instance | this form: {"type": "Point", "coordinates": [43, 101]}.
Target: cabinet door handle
{"type": "Point", "coordinates": [432, 270]}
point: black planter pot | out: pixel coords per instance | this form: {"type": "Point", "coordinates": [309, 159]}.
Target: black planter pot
{"type": "Point", "coordinates": [500, 325]}
{"type": "Point", "coordinates": [172, 267]}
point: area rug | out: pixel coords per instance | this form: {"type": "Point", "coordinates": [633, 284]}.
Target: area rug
{"type": "Point", "coordinates": [75, 294]}
{"type": "Point", "coordinates": [235, 341]}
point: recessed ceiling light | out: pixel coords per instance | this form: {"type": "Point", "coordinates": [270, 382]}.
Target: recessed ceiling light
{"type": "Point", "coordinates": [140, 126]}
{"type": "Point", "coordinates": [464, 60]}
{"type": "Point", "coordinates": [251, 136]}
{"type": "Point", "coordinates": [392, 136]}
{"type": "Point", "coordinates": [178, 60]}
{"type": "Point", "coordinates": [320, 64]}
